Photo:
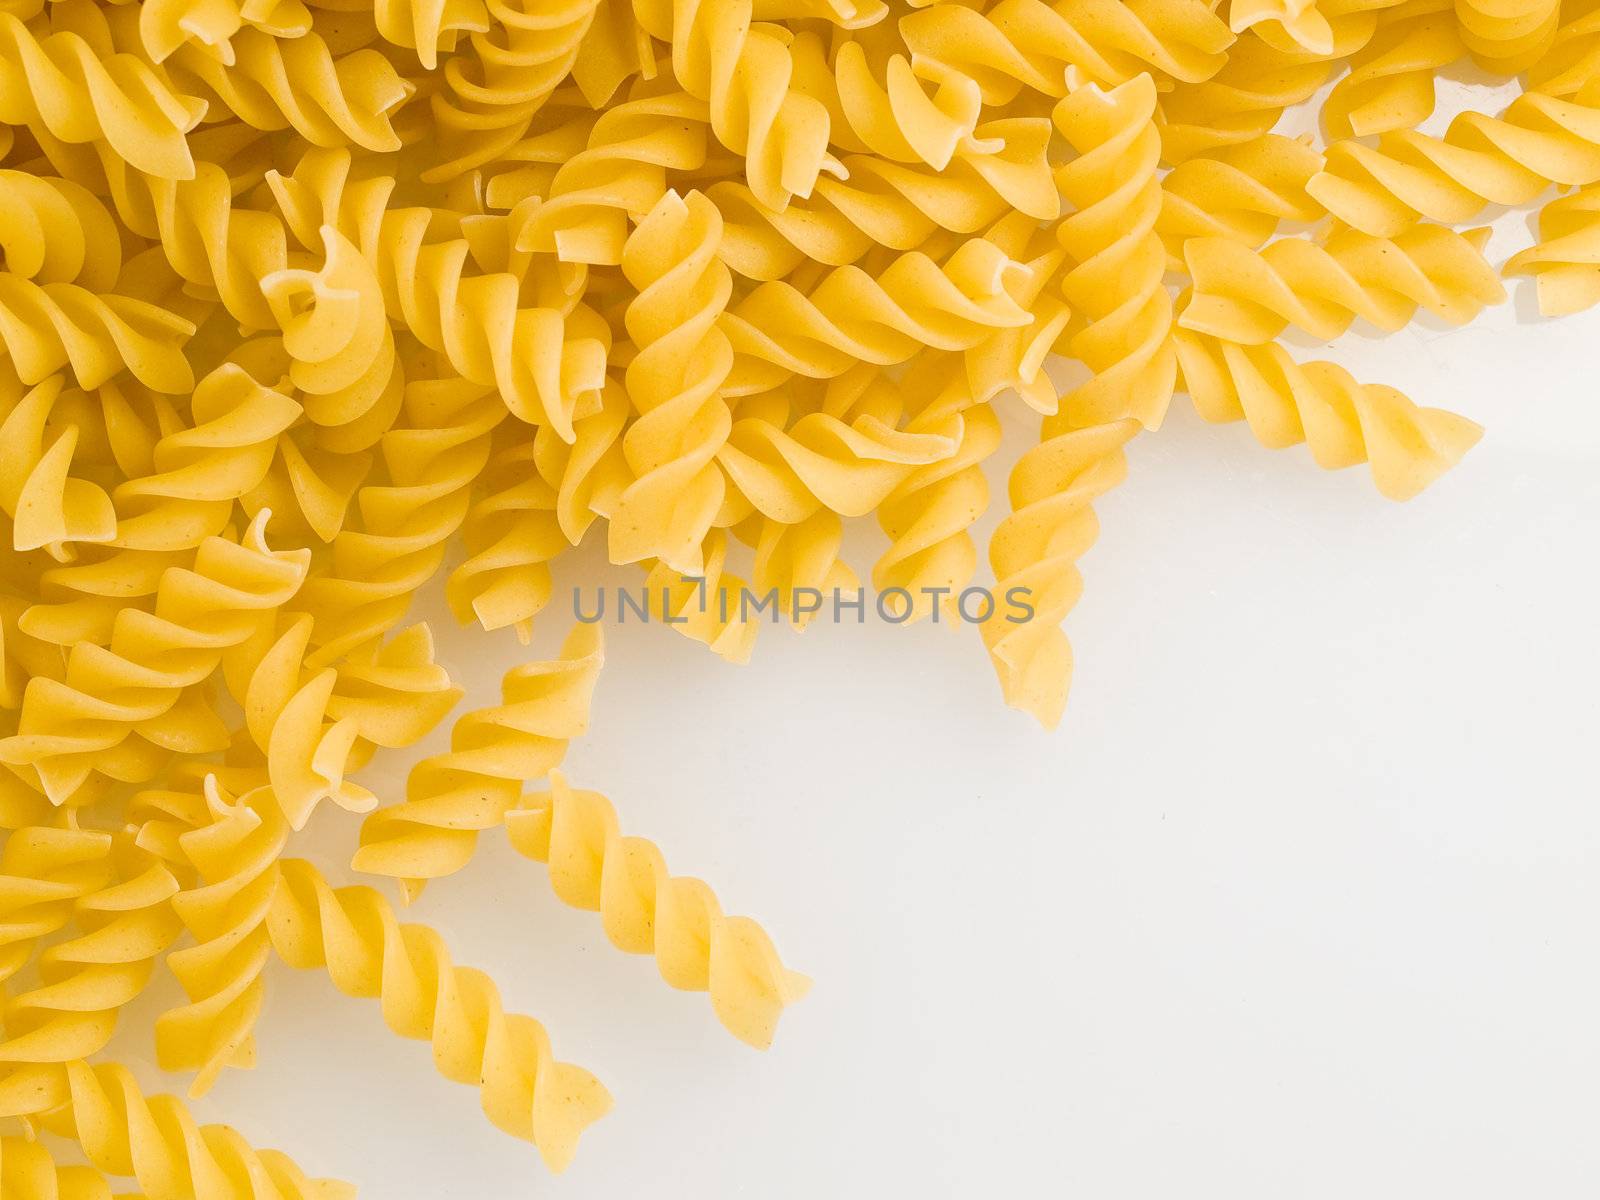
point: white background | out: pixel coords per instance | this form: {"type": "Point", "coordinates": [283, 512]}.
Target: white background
{"type": "Point", "coordinates": [1300, 900]}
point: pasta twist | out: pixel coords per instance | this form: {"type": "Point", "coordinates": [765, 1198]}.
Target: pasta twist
{"type": "Point", "coordinates": [79, 601]}
{"type": "Point", "coordinates": [44, 872]}
{"type": "Point", "coordinates": [1027, 44]}
{"type": "Point", "coordinates": [1574, 55]}
{"type": "Point", "coordinates": [394, 693]}
{"type": "Point", "coordinates": [451, 797]}
{"type": "Point", "coordinates": [56, 231]}
{"type": "Point", "coordinates": [1251, 296]}
{"type": "Point", "coordinates": [428, 26]}
{"type": "Point", "coordinates": [27, 1172]}
{"type": "Point", "coordinates": [927, 517]}
{"type": "Point", "coordinates": [121, 707]}
{"type": "Point", "coordinates": [1342, 422]}
{"type": "Point", "coordinates": [353, 934]}
{"type": "Point", "coordinates": [1113, 280]}
{"type": "Point", "coordinates": [476, 321]}
{"type": "Point", "coordinates": [235, 859]}
{"type": "Point", "coordinates": [706, 606]}
{"type": "Point", "coordinates": [49, 506]}
{"type": "Point", "coordinates": [491, 96]}
{"type": "Point", "coordinates": [432, 459]}
{"type": "Point", "coordinates": [1242, 192]}
{"type": "Point", "coordinates": [591, 473]}
{"type": "Point", "coordinates": [1036, 548]}
{"type": "Point", "coordinates": [85, 981]}
{"type": "Point", "coordinates": [154, 1139]}
{"type": "Point", "coordinates": [1566, 261]}
{"type": "Point", "coordinates": [198, 471]}
{"type": "Point", "coordinates": [1390, 84]}
{"type": "Point", "coordinates": [298, 83]}
{"type": "Point", "coordinates": [61, 86]}
{"type": "Point", "coordinates": [846, 458]}
{"type": "Point", "coordinates": [676, 382]}
{"type": "Point", "coordinates": [914, 303]}
{"type": "Point", "coordinates": [287, 703]}
{"type": "Point", "coordinates": [1241, 102]}
{"type": "Point", "coordinates": [1508, 36]}
{"type": "Point", "coordinates": [167, 25]}
{"type": "Point", "coordinates": [789, 558]}
{"type": "Point", "coordinates": [47, 326]}
{"type": "Point", "coordinates": [644, 910]}
{"type": "Point", "coordinates": [1538, 140]}
{"type": "Point", "coordinates": [336, 346]}
{"type": "Point", "coordinates": [511, 534]}
{"type": "Point", "coordinates": [619, 171]}
{"type": "Point", "coordinates": [1003, 168]}
{"type": "Point", "coordinates": [744, 73]}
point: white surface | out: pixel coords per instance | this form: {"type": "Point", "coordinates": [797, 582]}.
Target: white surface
{"type": "Point", "coordinates": [1300, 901]}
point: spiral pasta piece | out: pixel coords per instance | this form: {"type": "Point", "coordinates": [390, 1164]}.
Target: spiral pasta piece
{"type": "Point", "coordinates": [1243, 192]}
{"type": "Point", "coordinates": [851, 317]}
{"type": "Point", "coordinates": [1566, 260]}
{"type": "Point", "coordinates": [931, 556]}
{"type": "Point", "coordinates": [618, 170]}
{"type": "Point", "coordinates": [1508, 36]}
{"type": "Point", "coordinates": [1302, 21]}
{"type": "Point", "coordinates": [1003, 168]}
{"type": "Point", "coordinates": [1251, 296]}
{"type": "Point", "coordinates": [511, 534]}
{"type": "Point", "coordinates": [428, 26]}
{"type": "Point", "coordinates": [85, 981]}
{"type": "Point", "coordinates": [802, 557]}
{"type": "Point", "coordinates": [298, 83]}
{"type": "Point", "coordinates": [198, 471]}
{"type": "Point", "coordinates": [1538, 140]}
{"type": "Point", "coordinates": [56, 231]}
{"type": "Point", "coordinates": [352, 933]}
{"type": "Point", "coordinates": [62, 86]}
{"type": "Point", "coordinates": [744, 73]}
{"type": "Point", "coordinates": [120, 704]}
{"type": "Point", "coordinates": [1034, 553]}
{"type": "Point", "coordinates": [44, 872]}
{"type": "Point", "coordinates": [49, 506]}
{"type": "Point", "coordinates": [1574, 55]}
{"type": "Point", "coordinates": [845, 459]}
{"type": "Point", "coordinates": [706, 606]}
{"type": "Point", "coordinates": [476, 321]}
{"type": "Point", "coordinates": [235, 858]}
{"type": "Point", "coordinates": [878, 105]}
{"type": "Point", "coordinates": [676, 382]}
{"type": "Point", "coordinates": [154, 1139]}
{"type": "Point", "coordinates": [1113, 279]}
{"type": "Point", "coordinates": [494, 751]}
{"type": "Point", "coordinates": [1027, 44]}
{"type": "Point", "coordinates": [167, 25]}
{"type": "Point", "coordinates": [645, 910]}
{"type": "Point", "coordinates": [491, 96]}
{"type": "Point", "coordinates": [287, 702]}
{"type": "Point", "coordinates": [592, 472]}
{"type": "Point", "coordinates": [432, 457]}
{"type": "Point", "coordinates": [1343, 422]}
{"type": "Point", "coordinates": [1390, 84]}
{"type": "Point", "coordinates": [45, 327]}
{"type": "Point", "coordinates": [27, 1172]}
{"type": "Point", "coordinates": [1241, 102]}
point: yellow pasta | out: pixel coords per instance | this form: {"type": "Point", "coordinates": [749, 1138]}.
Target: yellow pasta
{"type": "Point", "coordinates": [647, 911]}
{"type": "Point", "coordinates": [311, 312]}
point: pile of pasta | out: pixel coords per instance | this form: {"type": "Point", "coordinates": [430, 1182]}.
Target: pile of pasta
{"type": "Point", "coordinates": [307, 304]}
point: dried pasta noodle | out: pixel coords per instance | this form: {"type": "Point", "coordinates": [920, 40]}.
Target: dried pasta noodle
{"type": "Point", "coordinates": [305, 309]}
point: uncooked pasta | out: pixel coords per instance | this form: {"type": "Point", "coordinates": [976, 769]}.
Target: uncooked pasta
{"type": "Point", "coordinates": [307, 310]}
